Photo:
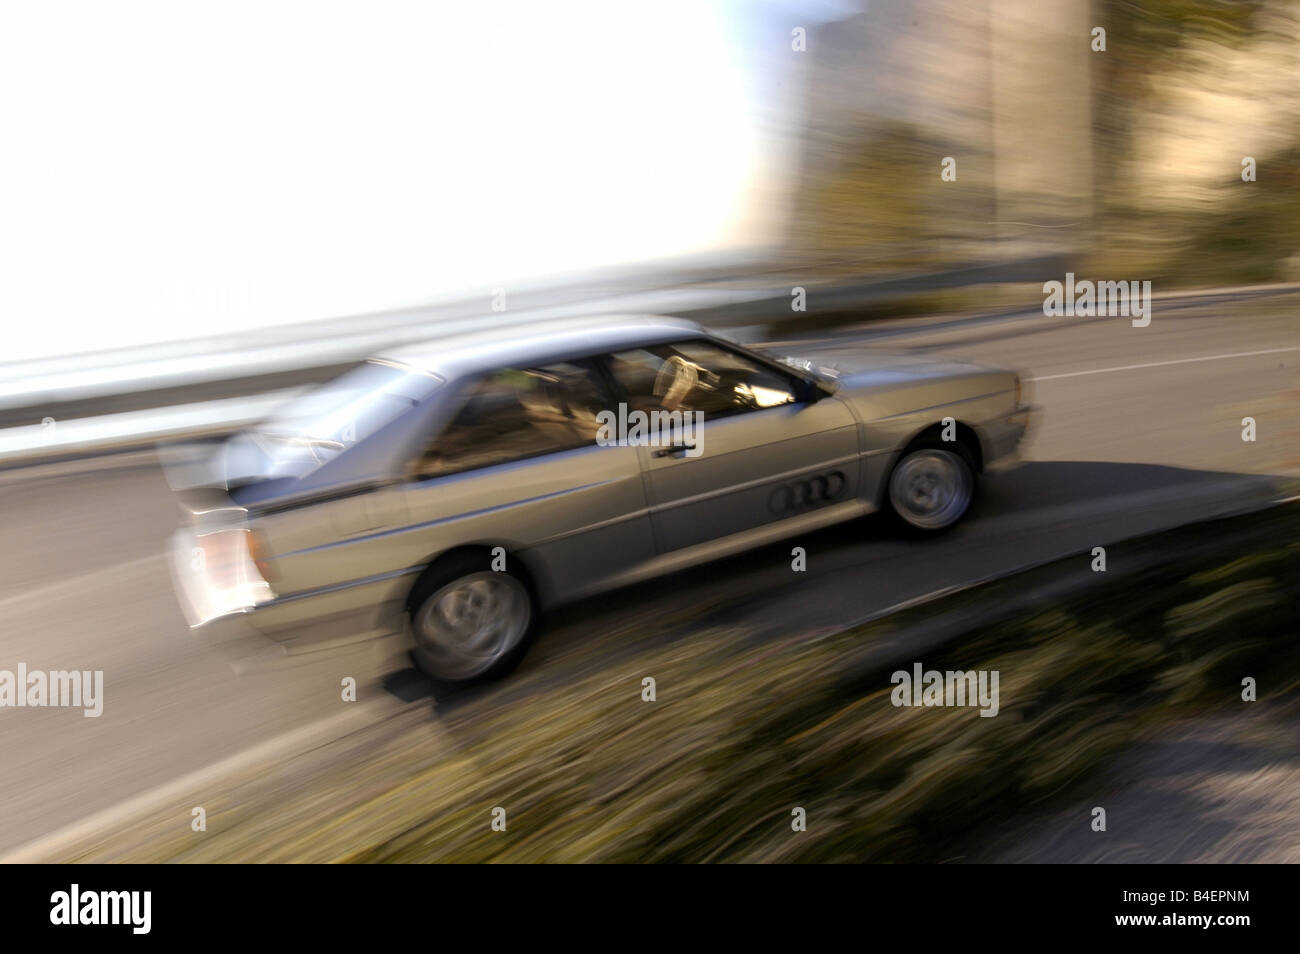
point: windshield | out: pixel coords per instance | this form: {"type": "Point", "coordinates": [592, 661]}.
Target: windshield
{"type": "Point", "coordinates": [311, 429]}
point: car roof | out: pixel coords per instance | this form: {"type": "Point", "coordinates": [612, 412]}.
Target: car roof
{"type": "Point", "coordinates": [460, 352]}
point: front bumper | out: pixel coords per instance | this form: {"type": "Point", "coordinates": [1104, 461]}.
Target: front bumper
{"type": "Point", "coordinates": [1002, 436]}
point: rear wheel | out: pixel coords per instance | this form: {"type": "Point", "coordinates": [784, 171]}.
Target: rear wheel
{"type": "Point", "coordinates": [470, 623]}
{"type": "Point", "coordinates": [932, 486]}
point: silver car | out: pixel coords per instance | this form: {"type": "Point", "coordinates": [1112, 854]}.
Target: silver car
{"type": "Point", "coordinates": [456, 490]}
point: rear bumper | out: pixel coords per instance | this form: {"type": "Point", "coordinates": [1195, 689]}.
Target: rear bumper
{"type": "Point", "coordinates": [341, 613]}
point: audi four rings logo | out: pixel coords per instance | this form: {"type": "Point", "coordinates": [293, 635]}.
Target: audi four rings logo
{"type": "Point", "coordinates": [808, 492]}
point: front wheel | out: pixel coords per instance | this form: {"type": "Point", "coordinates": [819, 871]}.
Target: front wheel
{"type": "Point", "coordinates": [470, 624]}
{"type": "Point", "coordinates": [931, 487]}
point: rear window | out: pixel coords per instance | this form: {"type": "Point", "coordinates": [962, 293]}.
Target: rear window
{"type": "Point", "coordinates": [313, 428]}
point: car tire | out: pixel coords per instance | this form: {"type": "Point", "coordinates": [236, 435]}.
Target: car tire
{"type": "Point", "coordinates": [470, 623]}
{"type": "Point", "coordinates": [931, 487]}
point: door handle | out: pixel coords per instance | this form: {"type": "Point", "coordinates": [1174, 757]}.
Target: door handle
{"type": "Point", "coordinates": [676, 450]}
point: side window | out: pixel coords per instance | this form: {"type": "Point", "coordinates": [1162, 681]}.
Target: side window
{"type": "Point", "coordinates": [516, 413]}
{"type": "Point", "coordinates": [698, 376]}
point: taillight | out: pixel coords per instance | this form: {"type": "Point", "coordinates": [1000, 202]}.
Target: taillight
{"type": "Point", "coordinates": [261, 555]}
{"type": "Point", "coordinates": [220, 569]}
{"type": "Point", "coordinates": [222, 555]}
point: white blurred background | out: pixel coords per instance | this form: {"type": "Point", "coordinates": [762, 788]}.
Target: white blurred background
{"type": "Point", "coordinates": [176, 169]}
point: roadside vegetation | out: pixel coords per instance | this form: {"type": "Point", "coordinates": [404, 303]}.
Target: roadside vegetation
{"type": "Point", "coordinates": [870, 202]}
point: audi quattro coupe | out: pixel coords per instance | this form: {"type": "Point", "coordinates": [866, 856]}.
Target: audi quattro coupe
{"type": "Point", "coordinates": [456, 490]}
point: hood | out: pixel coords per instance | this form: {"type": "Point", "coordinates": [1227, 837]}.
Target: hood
{"type": "Point", "coordinates": [865, 368]}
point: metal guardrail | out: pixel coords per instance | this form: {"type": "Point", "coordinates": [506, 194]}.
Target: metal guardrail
{"type": "Point", "coordinates": [50, 382]}
{"type": "Point", "coordinates": [108, 433]}
{"type": "Point", "coordinates": [266, 358]}
{"type": "Point", "coordinates": [294, 347]}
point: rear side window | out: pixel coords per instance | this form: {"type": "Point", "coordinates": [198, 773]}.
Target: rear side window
{"type": "Point", "coordinates": [518, 413]}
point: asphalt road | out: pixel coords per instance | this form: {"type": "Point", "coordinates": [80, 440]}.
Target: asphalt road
{"type": "Point", "coordinates": [1140, 430]}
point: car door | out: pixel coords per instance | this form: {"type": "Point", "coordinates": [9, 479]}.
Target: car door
{"type": "Point", "coordinates": [519, 466]}
{"type": "Point", "coordinates": [766, 448]}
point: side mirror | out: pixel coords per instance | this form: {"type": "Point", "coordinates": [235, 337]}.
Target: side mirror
{"type": "Point", "coordinates": [807, 392]}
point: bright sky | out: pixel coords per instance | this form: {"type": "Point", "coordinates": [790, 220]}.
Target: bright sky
{"type": "Point", "coordinates": [171, 169]}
